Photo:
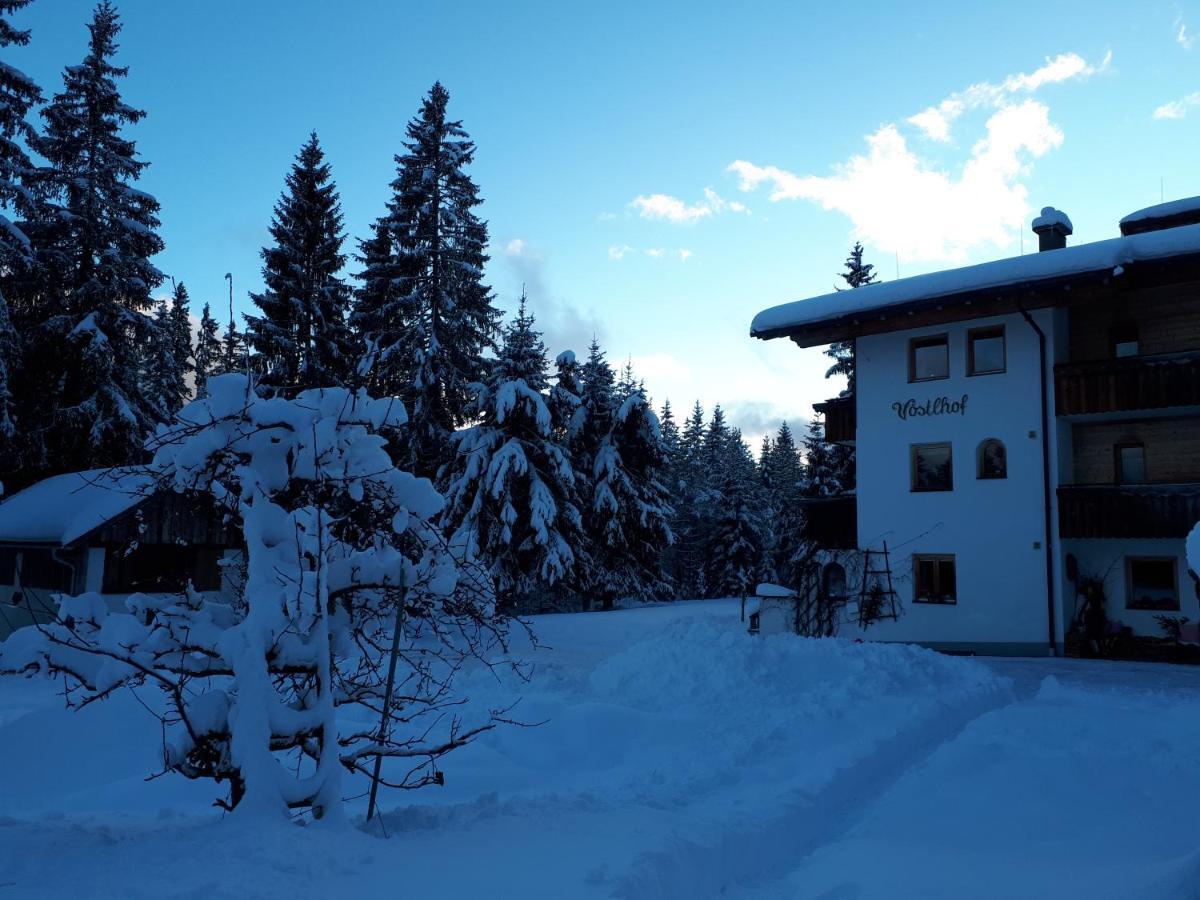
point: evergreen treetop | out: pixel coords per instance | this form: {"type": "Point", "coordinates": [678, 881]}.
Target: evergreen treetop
{"type": "Point", "coordinates": [301, 336]}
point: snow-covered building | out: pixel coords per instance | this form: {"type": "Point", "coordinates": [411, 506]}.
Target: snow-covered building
{"type": "Point", "coordinates": [107, 531]}
{"type": "Point", "coordinates": [1026, 431]}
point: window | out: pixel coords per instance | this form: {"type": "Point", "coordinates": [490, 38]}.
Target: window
{"type": "Point", "coordinates": [929, 358]}
{"type": "Point", "coordinates": [985, 351]}
{"type": "Point", "coordinates": [932, 467]}
{"type": "Point", "coordinates": [1130, 462]}
{"type": "Point", "coordinates": [934, 578]}
{"type": "Point", "coordinates": [992, 460]}
{"type": "Point", "coordinates": [1124, 339]}
{"type": "Point", "coordinates": [1150, 583]}
{"type": "Point", "coordinates": [834, 578]}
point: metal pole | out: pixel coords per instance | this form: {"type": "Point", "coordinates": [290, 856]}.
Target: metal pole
{"type": "Point", "coordinates": [387, 694]}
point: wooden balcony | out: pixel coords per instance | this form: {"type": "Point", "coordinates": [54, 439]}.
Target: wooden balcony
{"type": "Point", "coordinates": [1128, 510]}
{"type": "Point", "coordinates": [1136, 382]}
{"type": "Point", "coordinates": [841, 419]}
{"type": "Point", "coordinates": [832, 522]}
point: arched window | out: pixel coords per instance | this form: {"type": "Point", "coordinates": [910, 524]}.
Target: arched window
{"type": "Point", "coordinates": [991, 460]}
{"type": "Point", "coordinates": [834, 580]}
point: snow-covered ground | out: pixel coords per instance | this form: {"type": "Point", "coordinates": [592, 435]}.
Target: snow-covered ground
{"type": "Point", "coordinates": [679, 757]}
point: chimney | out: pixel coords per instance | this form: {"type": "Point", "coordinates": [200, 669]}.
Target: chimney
{"type": "Point", "coordinates": [1052, 228]}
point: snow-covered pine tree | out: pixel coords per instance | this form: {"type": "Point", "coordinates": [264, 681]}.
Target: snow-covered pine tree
{"type": "Point", "coordinates": [233, 351]}
{"type": "Point", "coordinates": [427, 327]}
{"type": "Point", "coordinates": [301, 338]}
{"type": "Point", "coordinates": [628, 520]}
{"type": "Point", "coordinates": [511, 496]}
{"type": "Point", "coordinates": [856, 274]}
{"type": "Point", "coordinates": [787, 489]}
{"type": "Point", "coordinates": [18, 94]}
{"type": "Point", "coordinates": [736, 531]}
{"type": "Point", "coordinates": [565, 404]}
{"type": "Point", "coordinates": [670, 435]}
{"type": "Point", "coordinates": [181, 338]}
{"type": "Point", "coordinates": [689, 498]}
{"type": "Point", "coordinates": [208, 350]}
{"type": "Point", "coordinates": [94, 277]}
{"type": "Point", "coordinates": [820, 471]}
{"type": "Point", "coordinates": [162, 380]}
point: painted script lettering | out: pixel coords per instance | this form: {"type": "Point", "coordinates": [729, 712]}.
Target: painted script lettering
{"type": "Point", "coordinates": [936, 406]}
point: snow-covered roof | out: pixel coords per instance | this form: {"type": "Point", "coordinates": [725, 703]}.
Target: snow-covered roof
{"type": "Point", "coordinates": [1111, 255]}
{"type": "Point", "coordinates": [1167, 210]}
{"type": "Point", "coordinates": [64, 508]}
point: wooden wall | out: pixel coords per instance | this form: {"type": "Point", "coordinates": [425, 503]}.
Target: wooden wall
{"type": "Point", "coordinates": [1172, 449]}
{"type": "Point", "coordinates": [1168, 321]}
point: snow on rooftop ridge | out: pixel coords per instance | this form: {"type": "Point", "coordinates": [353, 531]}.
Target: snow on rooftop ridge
{"type": "Point", "coordinates": [1051, 217]}
{"type": "Point", "coordinates": [1000, 273]}
{"type": "Point", "coordinates": [1164, 210]}
{"type": "Point", "coordinates": [63, 508]}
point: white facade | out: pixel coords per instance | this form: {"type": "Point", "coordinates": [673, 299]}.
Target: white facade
{"type": "Point", "coordinates": [994, 528]}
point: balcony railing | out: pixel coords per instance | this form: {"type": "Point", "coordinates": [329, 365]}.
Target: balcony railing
{"type": "Point", "coordinates": [1136, 382]}
{"type": "Point", "coordinates": [832, 522]}
{"type": "Point", "coordinates": [841, 420]}
{"type": "Point", "coordinates": [1128, 511]}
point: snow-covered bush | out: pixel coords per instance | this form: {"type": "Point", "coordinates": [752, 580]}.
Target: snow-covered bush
{"type": "Point", "coordinates": [340, 548]}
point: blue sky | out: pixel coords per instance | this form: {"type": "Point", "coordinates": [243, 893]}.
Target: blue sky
{"type": "Point", "coordinates": [658, 172]}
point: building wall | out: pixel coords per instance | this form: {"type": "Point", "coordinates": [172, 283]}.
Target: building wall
{"type": "Point", "coordinates": [1172, 449]}
{"type": "Point", "coordinates": [1105, 560]}
{"type": "Point", "coordinates": [994, 528]}
{"type": "Point", "coordinates": [1167, 322]}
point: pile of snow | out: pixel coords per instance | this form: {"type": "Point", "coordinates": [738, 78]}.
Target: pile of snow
{"type": "Point", "coordinates": [1168, 210]}
{"type": "Point", "coordinates": [1051, 217]}
{"type": "Point", "coordinates": [665, 727]}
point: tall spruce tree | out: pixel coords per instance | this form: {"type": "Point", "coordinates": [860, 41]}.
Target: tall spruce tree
{"type": "Point", "coordinates": [301, 338]}
{"type": "Point", "coordinates": [208, 351]}
{"type": "Point", "coordinates": [162, 377]}
{"type": "Point", "coordinates": [511, 493]}
{"type": "Point", "coordinates": [18, 94]}
{"type": "Point", "coordinates": [628, 520]}
{"type": "Point", "coordinates": [424, 313]}
{"type": "Point", "coordinates": [856, 274]}
{"type": "Point", "coordinates": [94, 278]}
{"type": "Point", "coordinates": [181, 336]}
{"type": "Point", "coordinates": [787, 489]}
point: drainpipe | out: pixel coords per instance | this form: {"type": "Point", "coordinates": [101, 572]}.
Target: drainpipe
{"type": "Point", "coordinates": [1047, 512]}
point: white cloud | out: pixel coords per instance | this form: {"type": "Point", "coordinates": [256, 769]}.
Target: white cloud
{"type": "Point", "coordinates": [900, 202]}
{"type": "Point", "coordinates": [1182, 38]}
{"type": "Point", "coordinates": [606, 216]}
{"type": "Point", "coordinates": [514, 247]}
{"type": "Point", "coordinates": [936, 121]}
{"type": "Point", "coordinates": [666, 208]}
{"type": "Point", "coordinates": [1177, 109]}
{"type": "Point", "coordinates": [620, 251]}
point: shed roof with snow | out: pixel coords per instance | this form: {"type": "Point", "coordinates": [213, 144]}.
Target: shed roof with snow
{"type": "Point", "coordinates": [111, 507]}
{"type": "Point", "coordinates": [1159, 243]}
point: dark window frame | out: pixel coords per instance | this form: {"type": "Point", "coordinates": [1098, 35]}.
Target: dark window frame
{"type": "Point", "coordinates": [987, 331]}
{"type": "Point", "coordinates": [937, 589]}
{"type": "Point", "coordinates": [928, 340]}
{"type": "Point", "coordinates": [1130, 561]}
{"type": "Point", "coordinates": [1118, 468]}
{"type": "Point", "coordinates": [913, 451]}
{"type": "Point", "coordinates": [979, 454]}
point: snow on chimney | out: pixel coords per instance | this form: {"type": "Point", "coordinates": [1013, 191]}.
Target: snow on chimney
{"type": "Point", "coordinates": [1052, 228]}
